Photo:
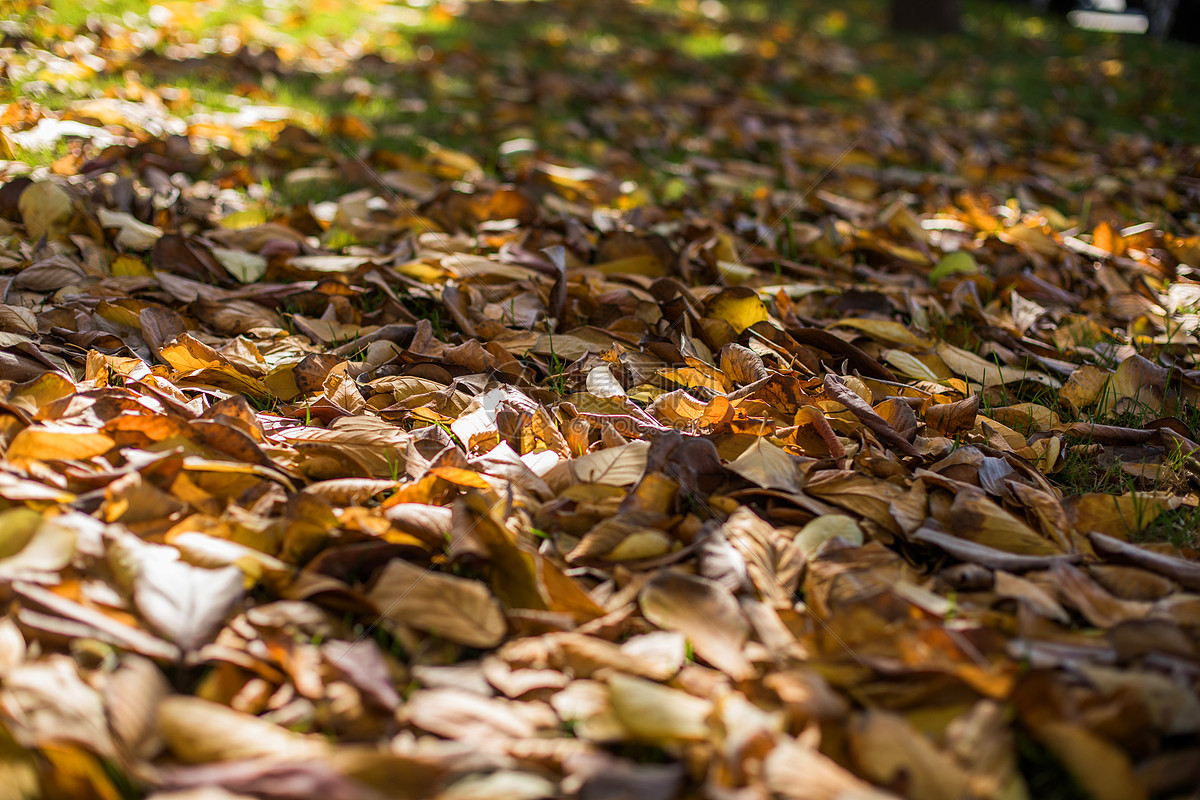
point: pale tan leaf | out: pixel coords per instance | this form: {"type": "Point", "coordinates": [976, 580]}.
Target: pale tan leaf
{"type": "Point", "coordinates": [987, 373]}
{"type": "Point", "coordinates": [132, 233]}
{"type": "Point", "coordinates": [199, 731]}
{"type": "Point", "coordinates": [46, 210]}
{"type": "Point", "coordinates": [767, 465]}
{"type": "Point", "coordinates": [613, 466]}
{"type": "Point", "coordinates": [600, 382]}
{"type": "Point", "coordinates": [456, 609]}
{"type": "Point", "coordinates": [826, 527]}
{"type": "Point", "coordinates": [654, 713]}
{"type": "Point", "coordinates": [184, 603]}
{"type": "Point", "coordinates": [706, 613]}
{"type": "Point", "coordinates": [798, 772]}
{"type": "Point", "coordinates": [246, 267]}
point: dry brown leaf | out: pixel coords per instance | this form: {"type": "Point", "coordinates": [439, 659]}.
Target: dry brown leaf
{"type": "Point", "coordinates": [198, 731]}
{"type": "Point", "coordinates": [766, 465]}
{"type": "Point", "coordinates": [951, 418]}
{"type": "Point", "coordinates": [184, 603]}
{"type": "Point", "coordinates": [522, 488]}
{"type": "Point", "coordinates": [457, 609]}
{"type": "Point", "coordinates": [979, 520]}
{"type": "Point", "coordinates": [1121, 516]}
{"type": "Point", "coordinates": [1103, 769]}
{"type": "Point", "coordinates": [703, 611]}
{"type": "Point", "coordinates": [799, 772]}
{"type": "Point", "coordinates": [891, 752]}
{"type": "Point", "coordinates": [986, 373]}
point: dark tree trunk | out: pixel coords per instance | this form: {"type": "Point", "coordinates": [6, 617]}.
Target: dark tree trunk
{"type": "Point", "coordinates": [926, 16]}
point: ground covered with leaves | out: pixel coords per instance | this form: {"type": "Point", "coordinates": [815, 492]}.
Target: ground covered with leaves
{"type": "Point", "coordinates": [656, 400]}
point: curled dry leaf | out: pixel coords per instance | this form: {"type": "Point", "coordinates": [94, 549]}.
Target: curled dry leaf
{"type": "Point", "coordinates": [742, 365]}
{"type": "Point", "coordinates": [457, 714]}
{"type": "Point", "coordinates": [837, 389]}
{"type": "Point", "coordinates": [1183, 571]}
{"type": "Point", "coordinates": [986, 373]}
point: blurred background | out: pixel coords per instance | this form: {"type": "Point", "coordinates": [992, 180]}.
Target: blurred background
{"type": "Point", "coordinates": [653, 92]}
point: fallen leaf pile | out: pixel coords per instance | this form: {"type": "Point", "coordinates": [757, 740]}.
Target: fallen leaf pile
{"type": "Point", "coordinates": [760, 473]}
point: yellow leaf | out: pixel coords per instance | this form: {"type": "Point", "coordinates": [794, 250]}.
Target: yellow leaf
{"type": "Point", "coordinates": [46, 210]}
{"type": "Point", "coordinates": [1084, 386]}
{"type": "Point", "coordinates": [17, 526]}
{"type": "Point", "coordinates": [227, 378]}
{"type": "Point", "coordinates": [18, 769]}
{"type": "Point", "coordinates": [62, 442]}
{"type": "Point", "coordinates": [651, 712]}
{"type": "Point", "coordinates": [74, 772]}
{"type": "Point", "coordinates": [424, 272]}
{"type": "Point", "coordinates": [645, 264]}
{"type": "Point", "coordinates": [885, 331]}
{"type": "Point", "coordinates": [988, 373]}
{"type": "Point", "coordinates": [44, 389]}
{"type": "Point", "coordinates": [909, 365]}
{"type": "Point", "coordinates": [957, 263]}
{"type": "Point", "coordinates": [1101, 767]}
{"type": "Point", "coordinates": [692, 378]}
{"type": "Point", "coordinates": [1115, 515]}
{"type": "Point", "coordinates": [740, 307]}
{"type": "Point", "coordinates": [127, 265]}
{"type": "Point", "coordinates": [281, 381]}
{"type": "Point", "coordinates": [826, 527]}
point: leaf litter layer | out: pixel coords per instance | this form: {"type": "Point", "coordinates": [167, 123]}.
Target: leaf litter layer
{"type": "Point", "coordinates": [615, 415]}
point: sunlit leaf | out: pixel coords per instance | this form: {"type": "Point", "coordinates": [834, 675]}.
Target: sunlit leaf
{"type": "Point", "coordinates": [456, 609]}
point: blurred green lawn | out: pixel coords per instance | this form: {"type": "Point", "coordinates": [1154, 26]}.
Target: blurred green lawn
{"type": "Point", "coordinates": [773, 51]}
